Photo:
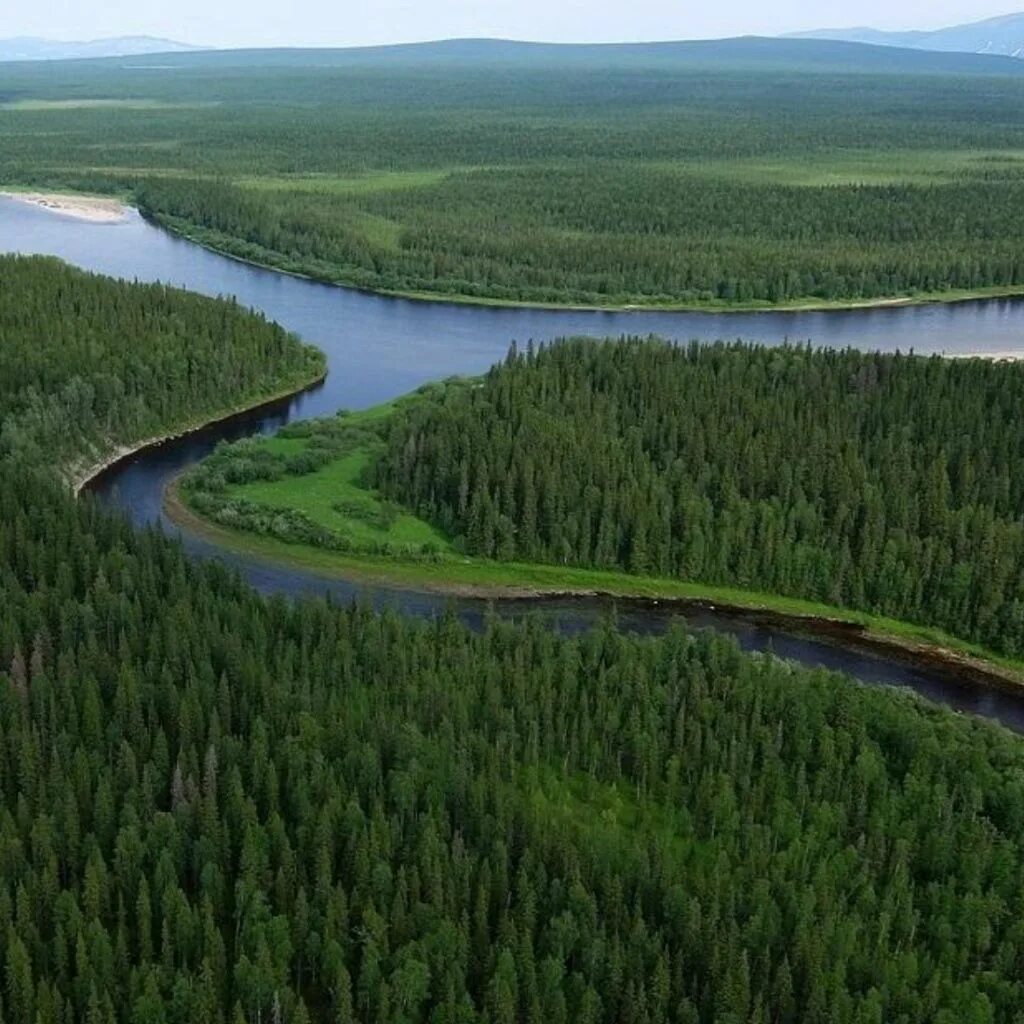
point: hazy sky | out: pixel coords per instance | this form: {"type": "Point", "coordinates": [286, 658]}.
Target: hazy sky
{"type": "Point", "coordinates": [345, 23]}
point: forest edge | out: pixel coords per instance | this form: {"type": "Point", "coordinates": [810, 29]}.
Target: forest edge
{"type": "Point", "coordinates": [915, 645]}
{"type": "Point", "coordinates": [194, 234]}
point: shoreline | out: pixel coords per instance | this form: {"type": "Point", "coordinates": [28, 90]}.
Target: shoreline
{"type": "Point", "coordinates": [81, 479]}
{"type": "Point", "coordinates": [846, 628]}
{"type": "Point", "coordinates": [947, 298]}
{"type": "Point", "coordinates": [101, 209]}
{"type": "Point", "coordinates": [92, 209]}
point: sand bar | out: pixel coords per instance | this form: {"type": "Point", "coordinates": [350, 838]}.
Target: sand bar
{"type": "Point", "coordinates": [97, 209]}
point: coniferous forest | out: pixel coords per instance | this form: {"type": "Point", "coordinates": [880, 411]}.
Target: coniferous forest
{"type": "Point", "coordinates": [886, 483]}
{"type": "Point", "coordinates": [76, 382]}
{"type": "Point", "coordinates": [221, 808]}
{"type": "Point", "coordinates": [217, 807]}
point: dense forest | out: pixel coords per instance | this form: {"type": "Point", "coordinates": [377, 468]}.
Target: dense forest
{"type": "Point", "coordinates": [88, 363]}
{"type": "Point", "coordinates": [620, 234]}
{"type": "Point", "coordinates": [221, 808]}
{"type": "Point", "coordinates": [217, 808]}
{"type": "Point", "coordinates": [886, 483]}
{"type": "Point", "coordinates": [668, 177]}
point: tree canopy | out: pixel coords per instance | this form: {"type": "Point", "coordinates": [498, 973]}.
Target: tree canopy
{"type": "Point", "coordinates": [88, 363]}
{"type": "Point", "coordinates": [569, 177]}
{"type": "Point", "coordinates": [887, 483]}
{"type": "Point", "coordinates": [219, 808]}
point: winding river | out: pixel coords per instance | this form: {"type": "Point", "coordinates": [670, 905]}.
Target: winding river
{"type": "Point", "coordinates": [380, 347]}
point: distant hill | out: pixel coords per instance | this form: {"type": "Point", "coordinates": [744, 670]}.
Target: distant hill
{"type": "Point", "coordinates": [742, 52]}
{"type": "Point", "coordinates": [29, 48]}
{"type": "Point", "coordinates": [1002, 36]}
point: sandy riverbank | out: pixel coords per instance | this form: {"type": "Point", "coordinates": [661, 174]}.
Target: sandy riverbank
{"type": "Point", "coordinates": [95, 209]}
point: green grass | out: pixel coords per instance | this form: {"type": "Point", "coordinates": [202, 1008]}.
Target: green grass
{"type": "Point", "coordinates": [606, 816]}
{"type": "Point", "coordinates": [379, 231]}
{"type": "Point", "coordinates": [860, 167]}
{"type": "Point", "coordinates": [337, 497]}
{"type": "Point", "coordinates": [317, 494]}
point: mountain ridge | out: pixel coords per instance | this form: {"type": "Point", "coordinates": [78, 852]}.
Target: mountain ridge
{"type": "Point", "coordinates": [740, 51]}
{"type": "Point", "coordinates": [806, 52]}
{"type": "Point", "coordinates": [37, 48]}
{"type": "Point", "coordinates": [1001, 36]}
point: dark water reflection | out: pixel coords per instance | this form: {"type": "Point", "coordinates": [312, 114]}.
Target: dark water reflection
{"type": "Point", "coordinates": [378, 348]}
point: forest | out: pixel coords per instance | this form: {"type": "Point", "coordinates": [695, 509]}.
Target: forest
{"type": "Point", "coordinates": [658, 177]}
{"type": "Point", "coordinates": [886, 483]}
{"type": "Point", "coordinates": [219, 808]}
{"type": "Point", "coordinates": [88, 364]}
{"type": "Point", "coordinates": [216, 807]}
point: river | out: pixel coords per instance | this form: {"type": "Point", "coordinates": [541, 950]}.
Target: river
{"type": "Point", "coordinates": [380, 347]}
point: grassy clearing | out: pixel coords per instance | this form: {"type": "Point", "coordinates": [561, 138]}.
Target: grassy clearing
{"type": "Point", "coordinates": [379, 231]}
{"type": "Point", "coordinates": [320, 495]}
{"type": "Point", "coordinates": [606, 816]}
{"type": "Point", "coordinates": [319, 473]}
{"type": "Point", "coordinates": [860, 167]}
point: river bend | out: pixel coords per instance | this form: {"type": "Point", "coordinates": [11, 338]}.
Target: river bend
{"type": "Point", "coordinates": [379, 347]}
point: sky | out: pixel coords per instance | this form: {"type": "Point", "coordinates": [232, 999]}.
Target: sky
{"type": "Point", "coordinates": [231, 23]}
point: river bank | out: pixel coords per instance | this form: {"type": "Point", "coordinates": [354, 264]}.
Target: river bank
{"type": "Point", "coordinates": [107, 210]}
{"type": "Point", "coordinates": [538, 583]}
{"type": "Point", "coordinates": [93, 209]}
{"type": "Point", "coordinates": [80, 479]}
{"type": "Point", "coordinates": [222, 246]}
